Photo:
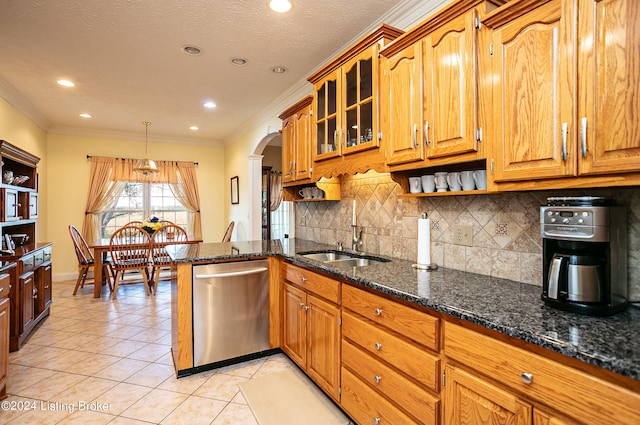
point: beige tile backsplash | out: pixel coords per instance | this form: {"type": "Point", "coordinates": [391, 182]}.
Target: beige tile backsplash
{"type": "Point", "coordinates": [506, 228]}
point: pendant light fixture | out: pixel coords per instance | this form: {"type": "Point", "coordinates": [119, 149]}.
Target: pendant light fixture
{"type": "Point", "coordinates": [146, 166]}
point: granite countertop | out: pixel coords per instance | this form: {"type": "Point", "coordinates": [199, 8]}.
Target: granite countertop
{"type": "Point", "coordinates": [509, 307]}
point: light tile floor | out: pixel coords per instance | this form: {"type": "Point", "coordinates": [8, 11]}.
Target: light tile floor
{"type": "Point", "coordinates": [98, 361]}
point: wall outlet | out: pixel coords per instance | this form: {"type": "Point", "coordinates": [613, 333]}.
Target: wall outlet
{"type": "Point", "coordinates": [463, 234]}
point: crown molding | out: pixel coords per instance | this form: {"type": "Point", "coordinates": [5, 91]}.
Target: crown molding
{"type": "Point", "coordinates": [18, 101]}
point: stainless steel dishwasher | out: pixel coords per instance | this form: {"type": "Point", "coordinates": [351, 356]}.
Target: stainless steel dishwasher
{"type": "Point", "coordinates": [230, 310]}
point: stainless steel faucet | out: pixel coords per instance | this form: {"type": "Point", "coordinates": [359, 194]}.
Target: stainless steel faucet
{"type": "Point", "coordinates": [356, 239]}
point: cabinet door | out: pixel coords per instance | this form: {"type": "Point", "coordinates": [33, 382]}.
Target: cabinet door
{"type": "Point", "coordinates": [472, 401]}
{"type": "Point", "coordinates": [303, 144]}
{"type": "Point", "coordinates": [402, 107]}
{"type": "Point", "coordinates": [328, 134]}
{"type": "Point", "coordinates": [359, 100]}
{"type": "Point", "coordinates": [450, 85]}
{"type": "Point", "coordinates": [295, 329]}
{"type": "Point", "coordinates": [10, 205]}
{"type": "Point", "coordinates": [288, 149]}
{"type": "Point", "coordinates": [609, 86]}
{"type": "Point", "coordinates": [43, 287]}
{"type": "Point", "coordinates": [323, 345]}
{"type": "Point", "coordinates": [27, 295]}
{"type": "Point", "coordinates": [4, 345]}
{"type": "Point", "coordinates": [33, 205]}
{"type": "Point", "coordinates": [533, 94]}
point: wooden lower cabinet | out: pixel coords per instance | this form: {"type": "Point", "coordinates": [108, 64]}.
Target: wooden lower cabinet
{"type": "Point", "coordinates": [311, 334]}
{"type": "Point", "coordinates": [522, 374]}
{"type": "Point", "coordinates": [469, 400]}
{"type": "Point", "coordinates": [4, 345]}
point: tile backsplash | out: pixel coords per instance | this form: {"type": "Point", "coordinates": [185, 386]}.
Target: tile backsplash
{"type": "Point", "coordinates": [506, 230]}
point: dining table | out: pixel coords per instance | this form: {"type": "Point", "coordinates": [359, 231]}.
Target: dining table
{"type": "Point", "coordinates": [101, 247]}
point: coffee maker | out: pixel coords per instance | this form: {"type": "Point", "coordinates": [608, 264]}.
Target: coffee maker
{"type": "Point", "coordinates": [584, 250]}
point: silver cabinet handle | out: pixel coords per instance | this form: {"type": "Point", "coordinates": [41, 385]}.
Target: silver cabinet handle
{"type": "Point", "coordinates": [426, 133]}
{"type": "Point", "coordinates": [377, 379]}
{"type": "Point", "coordinates": [415, 136]}
{"type": "Point", "coordinates": [306, 308]}
{"type": "Point", "coordinates": [378, 312]}
{"type": "Point", "coordinates": [583, 136]}
{"type": "Point", "coordinates": [300, 304]}
{"type": "Point", "coordinates": [303, 279]}
{"type": "Point", "coordinates": [527, 378]}
{"type": "Point", "coordinates": [378, 346]}
{"type": "Point", "coordinates": [376, 421]}
{"type": "Point", "coordinates": [565, 128]}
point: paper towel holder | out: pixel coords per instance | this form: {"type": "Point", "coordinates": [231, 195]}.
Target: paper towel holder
{"type": "Point", "coordinates": [425, 267]}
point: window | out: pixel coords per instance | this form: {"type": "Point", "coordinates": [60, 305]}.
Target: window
{"type": "Point", "coordinates": [280, 221]}
{"type": "Point", "coordinates": [139, 201]}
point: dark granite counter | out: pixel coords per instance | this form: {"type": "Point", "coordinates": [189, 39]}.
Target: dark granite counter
{"type": "Point", "coordinates": [509, 307]}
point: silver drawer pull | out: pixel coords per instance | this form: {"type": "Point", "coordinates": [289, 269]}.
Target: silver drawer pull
{"type": "Point", "coordinates": [527, 378]}
{"type": "Point", "coordinates": [303, 279]}
{"type": "Point", "coordinates": [378, 311]}
{"type": "Point", "coordinates": [377, 379]}
{"type": "Point", "coordinates": [376, 421]}
{"type": "Point", "coordinates": [378, 346]}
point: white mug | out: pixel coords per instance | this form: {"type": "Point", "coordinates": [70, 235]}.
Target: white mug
{"type": "Point", "coordinates": [454, 181]}
{"type": "Point", "coordinates": [441, 182]}
{"type": "Point", "coordinates": [415, 184]}
{"type": "Point", "coordinates": [428, 183]}
{"type": "Point", "coordinates": [468, 182]}
{"type": "Point", "coordinates": [301, 193]}
{"type": "Point", "coordinates": [480, 176]}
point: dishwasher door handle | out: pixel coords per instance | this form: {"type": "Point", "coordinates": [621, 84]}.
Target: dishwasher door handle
{"type": "Point", "coordinates": [232, 274]}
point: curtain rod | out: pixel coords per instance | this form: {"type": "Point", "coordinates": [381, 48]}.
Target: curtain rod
{"type": "Point", "coordinates": [195, 163]}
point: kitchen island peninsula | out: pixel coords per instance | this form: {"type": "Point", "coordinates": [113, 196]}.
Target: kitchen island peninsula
{"type": "Point", "coordinates": [474, 330]}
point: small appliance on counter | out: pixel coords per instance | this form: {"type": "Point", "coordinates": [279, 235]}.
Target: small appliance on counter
{"type": "Point", "coordinates": [584, 250]}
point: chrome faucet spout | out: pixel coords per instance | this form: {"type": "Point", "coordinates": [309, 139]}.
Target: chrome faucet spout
{"type": "Point", "coordinates": [356, 240]}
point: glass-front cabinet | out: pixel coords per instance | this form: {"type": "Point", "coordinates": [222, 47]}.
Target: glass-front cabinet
{"type": "Point", "coordinates": [327, 119]}
{"type": "Point", "coordinates": [346, 98]}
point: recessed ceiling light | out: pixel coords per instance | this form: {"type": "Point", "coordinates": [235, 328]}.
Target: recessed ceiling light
{"type": "Point", "coordinates": [191, 50]}
{"type": "Point", "coordinates": [85, 115]}
{"type": "Point", "coordinates": [280, 6]}
{"type": "Point", "coordinates": [279, 69]}
{"type": "Point", "coordinates": [239, 61]}
{"type": "Point", "coordinates": [66, 83]}
{"type": "Point", "coordinates": [194, 128]}
{"type": "Point", "coordinates": [209, 105]}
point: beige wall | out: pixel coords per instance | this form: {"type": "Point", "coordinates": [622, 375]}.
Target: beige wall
{"type": "Point", "coordinates": [19, 130]}
{"type": "Point", "coordinates": [68, 179]}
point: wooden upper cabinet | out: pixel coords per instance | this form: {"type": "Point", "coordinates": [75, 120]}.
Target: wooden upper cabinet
{"type": "Point", "coordinates": [402, 132]}
{"type": "Point", "coordinates": [346, 97]}
{"type": "Point", "coordinates": [533, 90]}
{"type": "Point", "coordinates": [450, 87]}
{"type": "Point", "coordinates": [296, 141]}
{"type": "Point", "coordinates": [328, 126]}
{"type": "Point", "coordinates": [609, 86]}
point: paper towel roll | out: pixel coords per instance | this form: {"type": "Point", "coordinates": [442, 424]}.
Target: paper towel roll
{"type": "Point", "coordinates": [424, 241]}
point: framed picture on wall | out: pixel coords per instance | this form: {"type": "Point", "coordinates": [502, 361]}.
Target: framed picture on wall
{"type": "Point", "coordinates": [234, 190]}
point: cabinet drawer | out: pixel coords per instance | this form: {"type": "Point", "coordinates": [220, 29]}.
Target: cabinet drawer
{"type": "Point", "coordinates": [5, 285]}
{"type": "Point", "coordinates": [38, 258]}
{"type": "Point", "coordinates": [402, 354]}
{"type": "Point", "coordinates": [411, 323]}
{"type": "Point", "coordinates": [365, 406]}
{"type": "Point", "coordinates": [391, 384]}
{"type": "Point", "coordinates": [28, 263]}
{"type": "Point", "coordinates": [560, 387]}
{"type": "Point", "coordinates": [317, 284]}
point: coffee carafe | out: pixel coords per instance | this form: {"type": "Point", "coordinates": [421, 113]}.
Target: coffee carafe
{"type": "Point", "coordinates": [584, 255]}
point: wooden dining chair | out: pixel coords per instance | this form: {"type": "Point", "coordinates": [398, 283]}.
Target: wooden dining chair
{"type": "Point", "coordinates": [85, 260]}
{"type": "Point", "coordinates": [130, 249]}
{"type": "Point", "coordinates": [227, 234]}
{"type": "Point", "coordinates": [170, 234]}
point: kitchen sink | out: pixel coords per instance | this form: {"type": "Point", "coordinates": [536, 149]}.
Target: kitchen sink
{"type": "Point", "coordinates": [340, 259]}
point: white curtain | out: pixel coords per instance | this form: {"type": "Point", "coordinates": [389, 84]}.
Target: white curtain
{"type": "Point", "coordinates": [275, 178]}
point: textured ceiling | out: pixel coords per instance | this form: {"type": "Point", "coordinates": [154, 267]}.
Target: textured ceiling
{"type": "Point", "coordinates": [125, 58]}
